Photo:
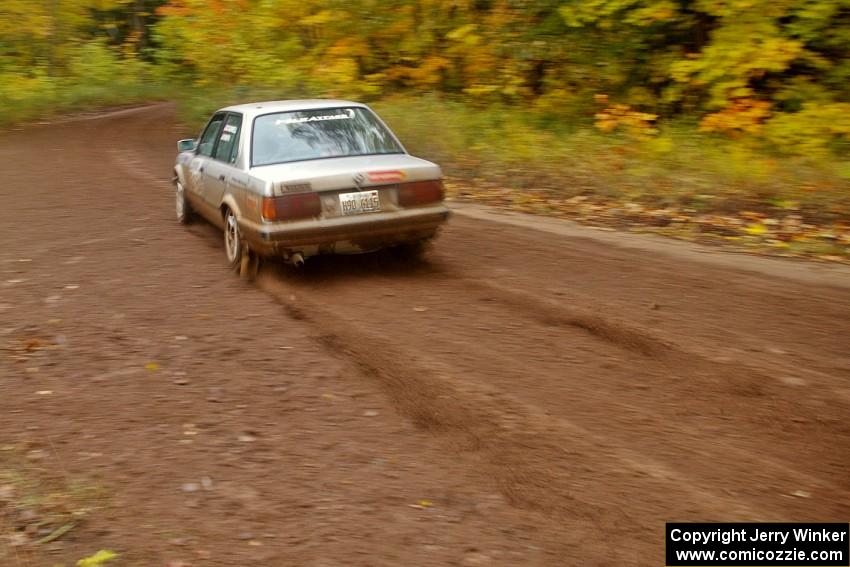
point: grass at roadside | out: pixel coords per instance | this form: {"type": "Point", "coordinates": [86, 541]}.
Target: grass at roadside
{"type": "Point", "coordinates": [70, 97]}
{"type": "Point", "coordinates": [94, 76]}
{"type": "Point", "coordinates": [39, 503]}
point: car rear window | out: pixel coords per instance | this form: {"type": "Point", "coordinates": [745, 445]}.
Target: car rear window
{"type": "Point", "coordinates": [321, 133]}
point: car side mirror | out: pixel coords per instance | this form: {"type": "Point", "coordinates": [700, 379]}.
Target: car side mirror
{"type": "Point", "coordinates": [187, 145]}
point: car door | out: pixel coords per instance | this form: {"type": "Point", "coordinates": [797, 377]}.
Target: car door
{"type": "Point", "coordinates": [203, 156]}
{"type": "Point", "coordinates": [219, 170]}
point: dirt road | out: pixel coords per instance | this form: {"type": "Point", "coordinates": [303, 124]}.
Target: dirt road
{"type": "Point", "coordinates": [525, 396]}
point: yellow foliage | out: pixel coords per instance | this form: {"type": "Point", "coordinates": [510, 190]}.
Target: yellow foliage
{"type": "Point", "coordinates": [428, 74]}
{"type": "Point", "coordinates": [319, 18]}
{"type": "Point", "coordinates": [622, 116]}
{"type": "Point", "coordinates": [339, 74]}
{"type": "Point", "coordinates": [742, 116]}
{"type": "Point", "coordinates": [776, 70]}
{"type": "Point", "coordinates": [755, 229]}
{"type": "Point", "coordinates": [811, 130]}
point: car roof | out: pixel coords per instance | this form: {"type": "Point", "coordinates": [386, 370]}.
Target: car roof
{"type": "Point", "coordinates": [267, 107]}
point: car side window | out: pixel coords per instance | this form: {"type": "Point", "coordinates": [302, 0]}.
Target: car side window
{"type": "Point", "coordinates": [228, 142]}
{"type": "Point", "coordinates": [208, 138]}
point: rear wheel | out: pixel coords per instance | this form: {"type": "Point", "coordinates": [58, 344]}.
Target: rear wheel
{"type": "Point", "coordinates": [185, 214]}
{"type": "Point", "coordinates": [232, 241]}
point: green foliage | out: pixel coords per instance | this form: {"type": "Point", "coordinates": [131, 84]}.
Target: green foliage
{"type": "Point", "coordinates": [98, 77]}
{"type": "Point", "coordinates": [776, 73]}
{"type": "Point", "coordinates": [736, 64]}
{"type": "Point", "coordinates": [72, 54]}
{"type": "Point", "coordinates": [674, 167]}
{"type": "Point", "coordinates": [814, 131]}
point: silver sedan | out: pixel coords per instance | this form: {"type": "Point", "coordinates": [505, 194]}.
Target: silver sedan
{"type": "Point", "coordinates": [298, 178]}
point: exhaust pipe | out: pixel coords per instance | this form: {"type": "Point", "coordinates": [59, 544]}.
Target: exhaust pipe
{"type": "Point", "coordinates": [297, 260]}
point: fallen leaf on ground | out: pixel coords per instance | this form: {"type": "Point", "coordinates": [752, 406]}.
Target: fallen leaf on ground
{"type": "Point", "coordinates": [98, 559]}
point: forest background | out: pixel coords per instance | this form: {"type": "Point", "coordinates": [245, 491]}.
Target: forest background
{"type": "Point", "coordinates": [716, 120]}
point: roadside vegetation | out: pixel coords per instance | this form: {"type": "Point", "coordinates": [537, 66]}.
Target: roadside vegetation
{"type": "Point", "coordinates": [718, 120]}
{"type": "Point", "coordinates": [66, 56]}
{"type": "Point", "coordinates": [40, 505]}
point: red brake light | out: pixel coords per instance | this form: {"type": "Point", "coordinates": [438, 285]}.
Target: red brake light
{"type": "Point", "coordinates": [420, 192]}
{"type": "Point", "coordinates": [291, 207]}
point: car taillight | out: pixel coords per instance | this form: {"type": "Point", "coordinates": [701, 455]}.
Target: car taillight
{"type": "Point", "coordinates": [420, 192]}
{"type": "Point", "coordinates": [290, 207]}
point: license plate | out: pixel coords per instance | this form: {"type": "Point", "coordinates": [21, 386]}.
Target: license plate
{"type": "Point", "coordinates": [360, 202]}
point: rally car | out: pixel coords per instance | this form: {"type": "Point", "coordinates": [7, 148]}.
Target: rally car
{"type": "Point", "coordinates": [298, 178]}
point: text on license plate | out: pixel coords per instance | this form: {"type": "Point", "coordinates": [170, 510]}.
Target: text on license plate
{"type": "Point", "coordinates": [360, 202]}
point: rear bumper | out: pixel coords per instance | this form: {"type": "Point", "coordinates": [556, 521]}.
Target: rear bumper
{"type": "Point", "coordinates": [365, 232]}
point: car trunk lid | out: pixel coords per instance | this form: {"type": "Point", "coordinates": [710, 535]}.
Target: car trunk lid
{"type": "Point", "coordinates": [351, 185]}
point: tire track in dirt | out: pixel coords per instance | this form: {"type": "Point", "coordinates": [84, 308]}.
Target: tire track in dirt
{"type": "Point", "coordinates": [651, 343]}
{"type": "Point", "coordinates": [513, 437]}
{"type": "Point", "coordinates": [676, 438]}
{"type": "Point", "coordinates": [644, 341]}
{"type": "Point", "coordinates": [757, 319]}
{"type": "Point", "coordinates": [613, 331]}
